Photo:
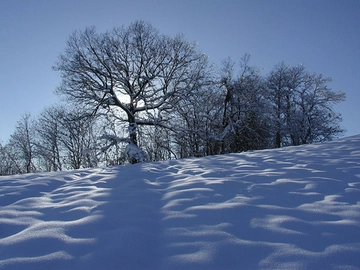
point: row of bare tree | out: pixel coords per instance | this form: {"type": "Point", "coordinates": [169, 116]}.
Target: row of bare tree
{"type": "Point", "coordinates": [137, 95]}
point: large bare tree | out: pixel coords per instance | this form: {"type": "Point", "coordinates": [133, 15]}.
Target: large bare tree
{"type": "Point", "coordinates": [132, 72]}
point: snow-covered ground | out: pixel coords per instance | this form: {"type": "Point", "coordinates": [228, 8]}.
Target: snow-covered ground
{"type": "Point", "coordinates": [291, 208]}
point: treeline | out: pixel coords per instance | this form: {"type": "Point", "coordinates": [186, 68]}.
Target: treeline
{"type": "Point", "coordinates": [135, 95]}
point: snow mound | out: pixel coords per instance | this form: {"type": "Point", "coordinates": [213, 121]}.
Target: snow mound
{"type": "Point", "coordinates": [290, 208]}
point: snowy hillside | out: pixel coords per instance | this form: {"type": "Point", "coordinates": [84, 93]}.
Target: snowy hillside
{"type": "Point", "coordinates": [291, 208]}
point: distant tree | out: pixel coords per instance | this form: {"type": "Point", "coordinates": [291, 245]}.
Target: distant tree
{"type": "Point", "coordinates": [315, 119]}
{"type": "Point", "coordinates": [77, 139]}
{"type": "Point", "coordinates": [158, 143]}
{"type": "Point", "coordinates": [302, 106]}
{"type": "Point", "coordinates": [9, 162]}
{"type": "Point", "coordinates": [197, 122]}
{"type": "Point", "coordinates": [66, 139]}
{"type": "Point", "coordinates": [49, 132]}
{"type": "Point", "coordinates": [279, 94]}
{"type": "Point", "coordinates": [22, 143]}
{"type": "Point", "coordinates": [245, 117]}
{"type": "Point", "coordinates": [132, 72]}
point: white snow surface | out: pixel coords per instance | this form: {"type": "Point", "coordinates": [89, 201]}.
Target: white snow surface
{"type": "Point", "coordinates": [290, 208]}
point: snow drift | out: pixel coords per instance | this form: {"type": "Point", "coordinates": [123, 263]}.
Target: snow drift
{"type": "Point", "coordinates": [290, 208]}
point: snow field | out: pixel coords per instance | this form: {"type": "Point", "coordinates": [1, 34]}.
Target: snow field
{"type": "Point", "coordinates": [290, 208]}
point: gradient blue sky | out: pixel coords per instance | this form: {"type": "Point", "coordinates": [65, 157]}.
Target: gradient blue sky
{"type": "Point", "coordinates": [323, 35]}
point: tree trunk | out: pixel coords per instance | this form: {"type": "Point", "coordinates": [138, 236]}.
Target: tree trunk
{"type": "Point", "coordinates": [278, 140]}
{"type": "Point", "coordinates": [133, 133]}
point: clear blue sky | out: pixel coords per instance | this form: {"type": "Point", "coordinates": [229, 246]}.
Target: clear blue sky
{"type": "Point", "coordinates": [323, 35]}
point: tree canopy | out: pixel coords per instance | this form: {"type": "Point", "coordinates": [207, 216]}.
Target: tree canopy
{"type": "Point", "coordinates": [132, 72]}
